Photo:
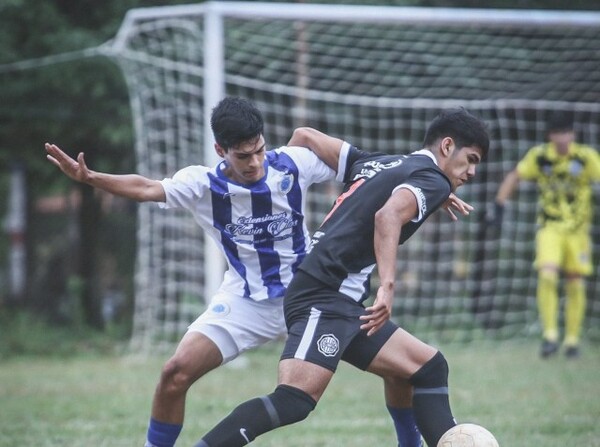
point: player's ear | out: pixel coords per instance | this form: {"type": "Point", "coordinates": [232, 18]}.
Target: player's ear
{"type": "Point", "coordinates": [447, 146]}
{"type": "Point", "coordinates": [220, 151]}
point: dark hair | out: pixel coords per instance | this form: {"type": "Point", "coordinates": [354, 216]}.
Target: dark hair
{"type": "Point", "coordinates": [235, 121]}
{"type": "Point", "coordinates": [559, 121]}
{"type": "Point", "coordinates": [465, 129]}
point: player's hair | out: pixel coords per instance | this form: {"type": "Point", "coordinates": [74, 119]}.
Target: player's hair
{"type": "Point", "coordinates": [463, 127]}
{"type": "Point", "coordinates": [234, 121]}
{"type": "Point", "coordinates": [559, 121]}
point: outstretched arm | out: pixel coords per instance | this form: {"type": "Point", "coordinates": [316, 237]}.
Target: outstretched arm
{"type": "Point", "coordinates": [507, 187]}
{"type": "Point", "coordinates": [131, 186]}
{"type": "Point", "coordinates": [325, 147]}
{"type": "Point", "coordinates": [400, 208]}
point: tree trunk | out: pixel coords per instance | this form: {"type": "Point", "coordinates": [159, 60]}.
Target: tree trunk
{"type": "Point", "coordinates": [90, 216]}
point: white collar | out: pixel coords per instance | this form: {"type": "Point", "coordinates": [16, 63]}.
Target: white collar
{"type": "Point", "coordinates": [428, 153]}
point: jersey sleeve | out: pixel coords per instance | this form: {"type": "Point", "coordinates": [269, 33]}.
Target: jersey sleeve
{"type": "Point", "coordinates": [309, 165]}
{"type": "Point", "coordinates": [528, 168]}
{"type": "Point", "coordinates": [187, 186]}
{"type": "Point", "coordinates": [430, 189]}
{"type": "Point", "coordinates": [348, 158]}
{"type": "Point", "coordinates": [594, 164]}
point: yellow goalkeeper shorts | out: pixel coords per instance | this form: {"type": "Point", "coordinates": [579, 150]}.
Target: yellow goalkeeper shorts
{"type": "Point", "coordinates": [571, 251]}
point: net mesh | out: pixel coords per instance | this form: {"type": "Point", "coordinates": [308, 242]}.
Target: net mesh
{"type": "Point", "coordinates": [376, 85]}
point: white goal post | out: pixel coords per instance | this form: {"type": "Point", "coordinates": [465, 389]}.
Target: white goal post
{"type": "Point", "coordinates": [375, 76]}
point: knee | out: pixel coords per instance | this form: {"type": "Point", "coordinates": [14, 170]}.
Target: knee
{"type": "Point", "coordinates": [548, 276]}
{"type": "Point", "coordinates": [574, 280]}
{"type": "Point", "coordinates": [288, 405]}
{"type": "Point", "coordinates": [433, 374]}
{"type": "Point", "coordinates": [175, 376]}
{"type": "Point", "coordinates": [398, 392]}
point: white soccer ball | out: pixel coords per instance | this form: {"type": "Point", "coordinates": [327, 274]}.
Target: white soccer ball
{"type": "Point", "coordinates": [467, 435]}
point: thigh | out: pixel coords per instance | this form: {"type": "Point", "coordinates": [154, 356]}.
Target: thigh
{"type": "Point", "coordinates": [578, 259]}
{"type": "Point", "coordinates": [195, 355]}
{"type": "Point", "coordinates": [320, 338]}
{"type": "Point", "coordinates": [401, 356]}
{"type": "Point", "coordinates": [549, 248]}
{"type": "Point", "coordinates": [363, 348]}
{"type": "Point", "coordinates": [309, 377]}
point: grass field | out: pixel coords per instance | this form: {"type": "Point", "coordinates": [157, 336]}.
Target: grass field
{"type": "Point", "coordinates": [104, 401]}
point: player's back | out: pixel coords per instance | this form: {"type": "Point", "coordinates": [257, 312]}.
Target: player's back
{"type": "Point", "coordinates": [342, 250]}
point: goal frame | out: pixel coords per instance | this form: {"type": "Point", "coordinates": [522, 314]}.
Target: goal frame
{"type": "Point", "coordinates": [214, 13]}
{"type": "Point", "coordinates": [208, 22]}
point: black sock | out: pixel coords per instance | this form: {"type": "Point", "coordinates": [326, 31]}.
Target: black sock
{"type": "Point", "coordinates": [284, 406]}
{"type": "Point", "coordinates": [430, 399]}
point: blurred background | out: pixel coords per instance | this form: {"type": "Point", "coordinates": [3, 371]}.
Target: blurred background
{"type": "Point", "coordinates": [69, 254]}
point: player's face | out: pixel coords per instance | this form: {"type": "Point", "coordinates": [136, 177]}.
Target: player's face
{"type": "Point", "coordinates": [562, 140]}
{"type": "Point", "coordinates": [462, 164]}
{"type": "Point", "coordinates": [245, 163]}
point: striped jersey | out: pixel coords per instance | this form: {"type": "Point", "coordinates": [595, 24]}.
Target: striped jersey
{"type": "Point", "coordinates": [259, 227]}
{"type": "Point", "coordinates": [564, 183]}
{"type": "Point", "coordinates": [342, 253]}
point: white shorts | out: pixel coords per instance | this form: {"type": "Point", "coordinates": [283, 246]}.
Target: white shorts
{"type": "Point", "coordinates": [236, 324]}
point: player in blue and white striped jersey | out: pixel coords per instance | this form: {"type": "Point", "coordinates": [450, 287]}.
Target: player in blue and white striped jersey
{"type": "Point", "coordinates": [252, 205]}
{"type": "Point", "coordinates": [259, 225]}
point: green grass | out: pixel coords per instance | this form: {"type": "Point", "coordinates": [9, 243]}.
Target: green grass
{"type": "Point", "coordinates": [105, 400]}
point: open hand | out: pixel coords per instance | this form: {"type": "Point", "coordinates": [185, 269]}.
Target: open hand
{"type": "Point", "coordinates": [379, 312]}
{"type": "Point", "coordinates": [75, 169]}
{"type": "Point", "coordinates": [454, 203]}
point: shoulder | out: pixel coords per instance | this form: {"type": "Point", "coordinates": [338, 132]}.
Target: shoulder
{"type": "Point", "coordinates": [585, 150]}
{"type": "Point", "coordinates": [291, 157]}
{"type": "Point", "coordinates": [538, 150]}
{"type": "Point", "coordinates": [192, 174]}
{"type": "Point", "coordinates": [533, 157]}
{"type": "Point", "coordinates": [356, 155]}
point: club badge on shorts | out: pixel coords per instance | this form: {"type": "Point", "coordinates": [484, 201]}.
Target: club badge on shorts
{"type": "Point", "coordinates": [220, 309]}
{"type": "Point", "coordinates": [328, 345]}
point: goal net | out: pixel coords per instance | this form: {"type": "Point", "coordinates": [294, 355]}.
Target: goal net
{"type": "Point", "coordinates": [374, 76]}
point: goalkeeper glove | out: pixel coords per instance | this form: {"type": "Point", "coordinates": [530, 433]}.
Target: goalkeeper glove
{"type": "Point", "coordinates": [495, 215]}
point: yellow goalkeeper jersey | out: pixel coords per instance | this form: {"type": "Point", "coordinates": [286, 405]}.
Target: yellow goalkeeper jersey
{"type": "Point", "coordinates": [564, 183]}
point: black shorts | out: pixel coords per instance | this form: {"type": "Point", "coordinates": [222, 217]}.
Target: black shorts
{"type": "Point", "coordinates": [324, 326]}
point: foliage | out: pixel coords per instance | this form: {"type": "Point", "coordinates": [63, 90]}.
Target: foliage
{"type": "Point", "coordinates": [81, 105]}
{"type": "Point", "coordinates": [28, 335]}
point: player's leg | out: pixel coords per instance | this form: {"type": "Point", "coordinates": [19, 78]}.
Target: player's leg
{"type": "Point", "coordinates": [195, 356]}
{"type": "Point", "coordinates": [301, 384]}
{"type": "Point", "coordinates": [405, 356]}
{"type": "Point", "coordinates": [578, 264]}
{"type": "Point", "coordinates": [230, 326]}
{"type": "Point", "coordinates": [397, 390]}
{"type": "Point", "coordinates": [549, 255]}
{"type": "Point", "coordinates": [316, 340]}
{"type": "Point", "coordinates": [574, 313]}
{"type": "Point", "coordinates": [398, 399]}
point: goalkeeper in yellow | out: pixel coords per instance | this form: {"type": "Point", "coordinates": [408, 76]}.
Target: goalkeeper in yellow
{"type": "Point", "coordinates": [564, 171]}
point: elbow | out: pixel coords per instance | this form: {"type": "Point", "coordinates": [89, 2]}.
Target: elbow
{"type": "Point", "coordinates": [153, 192]}
{"type": "Point", "coordinates": [382, 218]}
{"type": "Point", "coordinates": [301, 137]}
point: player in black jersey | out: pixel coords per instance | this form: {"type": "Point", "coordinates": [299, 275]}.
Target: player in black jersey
{"type": "Point", "coordinates": [385, 200]}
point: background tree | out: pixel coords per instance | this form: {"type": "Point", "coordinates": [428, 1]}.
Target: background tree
{"type": "Point", "coordinates": [82, 104]}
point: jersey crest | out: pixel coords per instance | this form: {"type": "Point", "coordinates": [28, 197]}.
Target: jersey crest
{"type": "Point", "coordinates": [575, 167]}
{"type": "Point", "coordinates": [286, 183]}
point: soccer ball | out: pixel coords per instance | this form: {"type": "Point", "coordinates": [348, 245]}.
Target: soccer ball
{"type": "Point", "coordinates": [467, 435]}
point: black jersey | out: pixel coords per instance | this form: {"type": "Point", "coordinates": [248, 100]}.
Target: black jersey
{"type": "Point", "coordinates": [342, 254]}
